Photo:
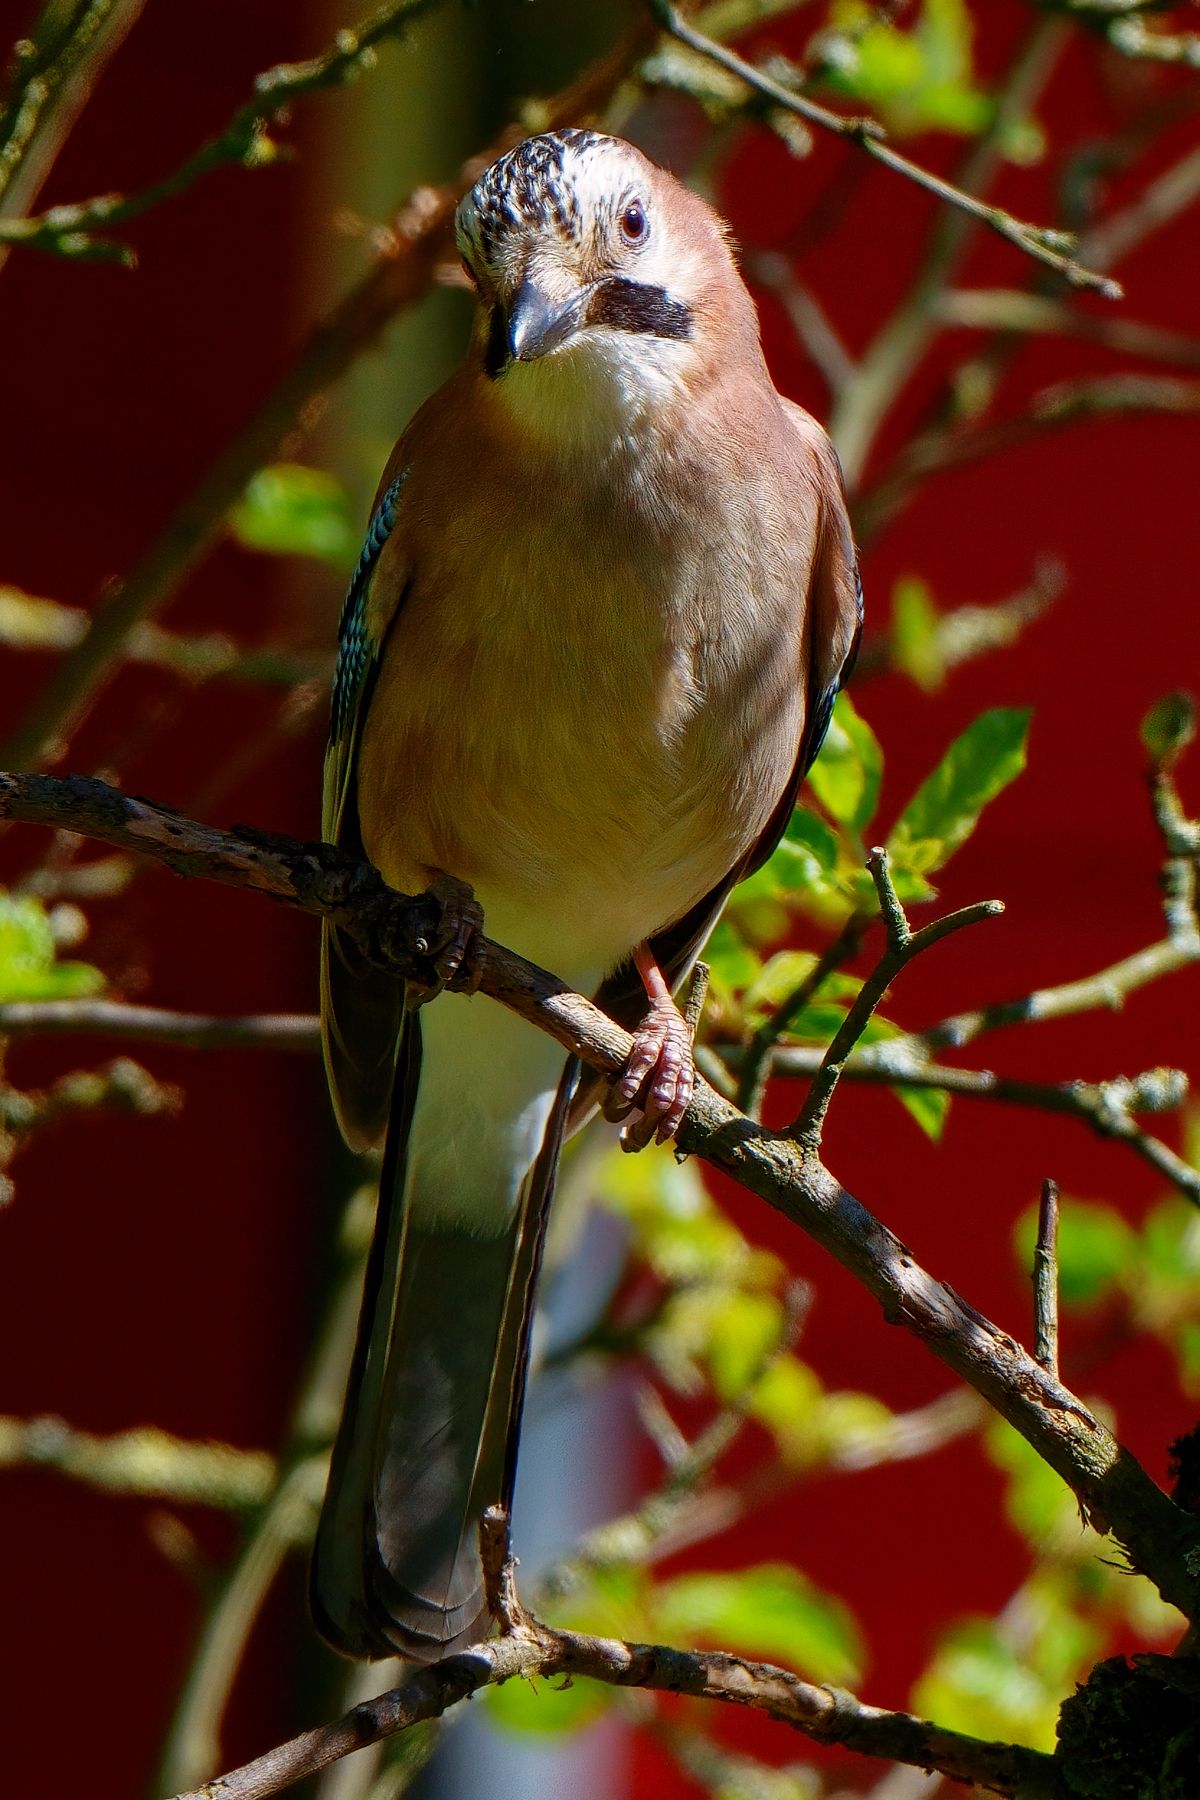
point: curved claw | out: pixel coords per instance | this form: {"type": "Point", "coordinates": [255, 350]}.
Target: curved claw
{"type": "Point", "coordinates": [456, 952]}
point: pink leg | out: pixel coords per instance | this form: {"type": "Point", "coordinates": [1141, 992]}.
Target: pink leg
{"type": "Point", "coordinates": [659, 1075]}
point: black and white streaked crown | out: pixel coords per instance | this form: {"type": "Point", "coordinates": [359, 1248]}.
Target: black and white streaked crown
{"type": "Point", "coordinates": [533, 185]}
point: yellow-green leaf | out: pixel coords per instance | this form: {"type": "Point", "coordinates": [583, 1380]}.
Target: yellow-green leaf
{"type": "Point", "coordinates": [291, 510]}
{"type": "Point", "coordinates": [945, 809]}
{"type": "Point", "coordinates": [770, 1611]}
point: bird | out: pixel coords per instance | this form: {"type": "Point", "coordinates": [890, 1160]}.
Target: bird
{"type": "Point", "coordinates": [607, 596]}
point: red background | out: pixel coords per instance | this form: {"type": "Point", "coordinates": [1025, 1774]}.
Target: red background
{"type": "Point", "coordinates": [161, 1271]}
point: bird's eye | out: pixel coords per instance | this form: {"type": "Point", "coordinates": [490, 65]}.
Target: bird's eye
{"type": "Point", "coordinates": [634, 224]}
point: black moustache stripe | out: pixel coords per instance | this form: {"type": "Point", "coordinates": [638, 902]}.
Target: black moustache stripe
{"type": "Point", "coordinates": [496, 356]}
{"type": "Point", "coordinates": [631, 306]}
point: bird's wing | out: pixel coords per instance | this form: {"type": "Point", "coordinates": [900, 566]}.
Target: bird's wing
{"type": "Point", "coordinates": [361, 1009]}
{"type": "Point", "coordinates": [833, 630]}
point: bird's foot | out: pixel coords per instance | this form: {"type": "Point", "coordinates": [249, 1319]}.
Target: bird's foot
{"type": "Point", "coordinates": [657, 1079]}
{"type": "Point", "coordinates": [456, 951]}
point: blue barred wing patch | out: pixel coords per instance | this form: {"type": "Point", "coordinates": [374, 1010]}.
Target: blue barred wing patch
{"type": "Point", "coordinates": [356, 650]}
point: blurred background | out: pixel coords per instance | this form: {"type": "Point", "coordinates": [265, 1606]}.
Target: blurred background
{"type": "Point", "coordinates": [178, 1248]}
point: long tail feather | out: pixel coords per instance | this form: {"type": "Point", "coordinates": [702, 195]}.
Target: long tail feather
{"type": "Point", "coordinates": [428, 1434]}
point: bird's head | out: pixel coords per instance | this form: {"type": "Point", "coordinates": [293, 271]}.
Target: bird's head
{"type": "Point", "coordinates": [605, 288]}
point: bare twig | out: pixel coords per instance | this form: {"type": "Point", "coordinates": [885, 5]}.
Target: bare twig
{"type": "Point", "coordinates": [1162, 200]}
{"type": "Point", "coordinates": [901, 1437]}
{"type": "Point", "coordinates": [1012, 309]}
{"type": "Point", "coordinates": [756, 1062]}
{"type": "Point", "coordinates": [1108, 1107]}
{"type": "Point", "coordinates": [1065, 404]}
{"type": "Point", "coordinates": [966, 631]}
{"type": "Point", "coordinates": [902, 945]}
{"type": "Point", "coordinates": [48, 83]}
{"type": "Point", "coordinates": [69, 230]}
{"type": "Point", "coordinates": [284, 1522]}
{"type": "Point", "coordinates": [1112, 1488]}
{"type": "Point", "coordinates": [1045, 1280]}
{"type": "Point", "coordinates": [56, 68]}
{"type": "Point", "coordinates": [121, 1086]}
{"type": "Point", "coordinates": [899, 345]}
{"type": "Point", "coordinates": [646, 1533]}
{"type": "Point", "coordinates": [1041, 242]}
{"type": "Point", "coordinates": [142, 1461]}
{"type": "Point", "coordinates": [772, 270]}
{"type": "Point", "coordinates": [156, 1025]}
{"type": "Point", "coordinates": [697, 993]}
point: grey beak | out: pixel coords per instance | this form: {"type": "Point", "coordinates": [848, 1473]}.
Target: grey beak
{"type": "Point", "coordinates": [537, 325]}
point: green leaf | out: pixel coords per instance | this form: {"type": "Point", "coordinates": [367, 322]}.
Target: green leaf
{"type": "Point", "coordinates": [945, 809]}
{"type": "Point", "coordinates": [1169, 727]}
{"type": "Point", "coordinates": [677, 1228]}
{"type": "Point", "coordinates": [1096, 1249]}
{"type": "Point", "coordinates": [809, 1425]}
{"type": "Point", "coordinates": [915, 635]}
{"type": "Point", "coordinates": [978, 1684]}
{"type": "Point", "coordinates": [920, 79]}
{"type": "Point", "coordinates": [784, 972]}
{"type": "Point", "coordinates": [744, 1329]}
{"type": "Point", "coordinates": [847, 774]}
{"type": "Point", "coordinates": [1036, 1500]}
{"type": "Point", "coordinates": [732, 964]}
{"type": "Point", "coordinates": [768, 1611]}
{"type": "Point", "coordinates": [28, 966]}
{"type": "Point", "coordinates": [807, 854]}
{"type": "Point", "coordinates": [290, 510]}
{"type": "Point", "coordinates": [928, 1106]}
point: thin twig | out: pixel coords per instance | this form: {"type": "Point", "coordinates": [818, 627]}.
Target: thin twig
{"type": "Point", "coordinates": [815, 331]}
{"type": "Point", "coordinates": [1045, 1280]}
{"type": "Point", "coordinates": [69, 230]}
{"type": "Point", "coordinates": [1107, 1107]}
{"type": "Point", "coordinates": [1011, 309]}
{"type": "Point", "coordinates": [906, 335]}
{"type": "Point", "coordinates": [697, 993]}
{"type": "Point", "coordinates": [1162, 200]}
{"type": "Point", "coordinates": [1113, 1489]}
{"type": "Point", "coordinates": [284, 1522]}
{"type": "Point", "coordinates": [643, 1535]}
{"type": "Point", "coordinates": [33, 622]}
{"type": "Point", "coordinates": [49, 73]}
{"type": "Point", "coordinates": [902, 945]}
{"type": "Point", "coordinates": [756, 1064]}
{"type": "Point", "coordinates": [1041, 242]}
{"type": "Point", "coordinates": [142, 1461]}
{"type": "Point", "coordinates": [52, 83]}
{"type": "Point", "coordinates": [157, 1025]}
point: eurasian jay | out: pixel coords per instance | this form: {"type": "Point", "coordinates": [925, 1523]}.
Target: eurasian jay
{"type": "Point", "coordinates": [607, 596]}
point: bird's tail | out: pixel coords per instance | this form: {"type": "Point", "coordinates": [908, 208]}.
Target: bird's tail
{"type": "Point", "coordinates": [428, 1434]}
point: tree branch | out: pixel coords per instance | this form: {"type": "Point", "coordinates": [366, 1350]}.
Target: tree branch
{"type": "Point", "coordinates": [829, 1715]}
{"type": "Point", "coordinates": [1113, 1490]}
{"type": "Point", "coordinates": [157, 1025]}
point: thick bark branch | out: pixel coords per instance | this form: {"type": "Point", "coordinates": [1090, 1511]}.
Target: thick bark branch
{"type": "Point", "coordinates": [1112, 1488]}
